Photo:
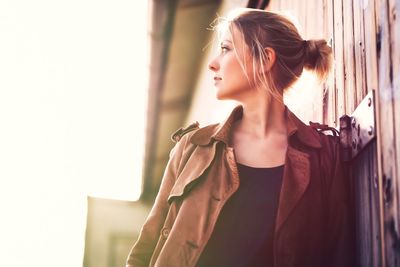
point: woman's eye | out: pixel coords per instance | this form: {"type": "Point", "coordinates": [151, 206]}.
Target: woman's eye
{"type": "Point", "coordinates": [224, 49]}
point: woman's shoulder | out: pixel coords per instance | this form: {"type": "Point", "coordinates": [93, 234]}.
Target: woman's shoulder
{"type": "Point", "coordinates": [179, 133]}
{"type": "Point", "coordinates": [331, 147]}
{"type": "Point", "coordinates": [329, 135]}
{"type": "Point", "coordinates": [194, 133]}
{"type": "Point", "coordinates": [185, 137]}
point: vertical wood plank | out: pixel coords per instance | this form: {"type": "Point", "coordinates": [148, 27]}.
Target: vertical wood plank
{"type": "Point", "coordinates": [371, 63]}
{"type": "Point", "coordinates": [338, 53]}
{"type": "Point", "coordinates": [371, 69]}
{"type": "Point", "coordinates": [386, 133]}
{"type": "Point", "coordinates": [394, 25]}
{"type": "Point", "coordinates": [366, 207]}
{"type": "Point", "coordinates": [302, 17]}
{"type": "Point", "coordinates": [394, 22]}
{"type": "Point", "coordinates": [359, 51]}
{"type": "Point", "coordinates": [314, 31]}
{"type": "Point", "coordinates": [348, 55]}
{"type": "Point", "coordinates": [330, 102]}
{"type": "Point", "coordinates": [318, 33]}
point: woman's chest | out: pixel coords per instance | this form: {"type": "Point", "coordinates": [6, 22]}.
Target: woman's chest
{"type": "Point", "coordinates": [266, 153]}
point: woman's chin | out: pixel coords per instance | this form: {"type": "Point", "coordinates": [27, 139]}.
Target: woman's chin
{"type": "Point", "coordinates": [221, 93]}
{"type": "Point", "coordinates": [219, 96]}
{"type": "Point", "coordinates": [222, 97]}
{"type": "Point", "coordinates": [226, 95]}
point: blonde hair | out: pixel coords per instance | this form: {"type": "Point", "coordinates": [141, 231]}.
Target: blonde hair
{"type": "Point", "coordinates": [260, 29]}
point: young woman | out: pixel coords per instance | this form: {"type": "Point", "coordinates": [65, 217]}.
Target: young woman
{"type": "Point", "coordinates": [260, 188]}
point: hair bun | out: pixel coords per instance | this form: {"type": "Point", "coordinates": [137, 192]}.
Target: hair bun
{"type": "Point", "coordinates": [317, 57]}
{"type": "Point", "coordinates": [311, 54]}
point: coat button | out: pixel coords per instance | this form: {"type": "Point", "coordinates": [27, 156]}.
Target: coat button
{"type": "Point", "coordinates": [165, 232]}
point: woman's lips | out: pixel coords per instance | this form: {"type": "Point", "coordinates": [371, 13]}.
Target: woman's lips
{"type": "Point", "coordinates": [216, 80]}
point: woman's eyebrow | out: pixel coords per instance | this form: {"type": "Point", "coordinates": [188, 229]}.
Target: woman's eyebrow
{"type": "Point", "coordinates": [226, 41]}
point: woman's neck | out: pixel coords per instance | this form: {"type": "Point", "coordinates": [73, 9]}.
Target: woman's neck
{"type": "Point", "coordinates": [262, 117]}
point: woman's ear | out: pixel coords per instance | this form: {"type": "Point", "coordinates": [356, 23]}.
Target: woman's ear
{"type": "Point", "coordinates": [271, 57]}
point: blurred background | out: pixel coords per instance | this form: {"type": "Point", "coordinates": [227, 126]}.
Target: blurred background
{"type": "Point", "coordinates": [91, 91]}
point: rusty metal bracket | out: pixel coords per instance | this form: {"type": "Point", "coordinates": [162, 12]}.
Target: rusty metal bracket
{"type": "Point", "coordinates": [357, 130]}
{"type": "Point", "coordinates": [345, 137]}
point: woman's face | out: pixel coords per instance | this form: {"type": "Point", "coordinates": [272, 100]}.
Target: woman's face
{"type": "Point", "coordinates": [229, 78]}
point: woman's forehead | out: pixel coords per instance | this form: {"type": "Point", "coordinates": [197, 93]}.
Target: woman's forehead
{"type": "Point", "coordinates": [230, 34]}
{"type": "Point", "coordinates": [225, 35]}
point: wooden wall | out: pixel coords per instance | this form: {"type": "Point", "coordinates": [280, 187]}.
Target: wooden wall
{"type": "Point", "coordinates": [366, 42]}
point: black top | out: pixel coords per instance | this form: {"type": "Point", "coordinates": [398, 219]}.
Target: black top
{"type": "Point", "coordinates": [243, 233]}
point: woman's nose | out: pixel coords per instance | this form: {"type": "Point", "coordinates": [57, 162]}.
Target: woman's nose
{"type": "Point", "coordinates": [213, 65]}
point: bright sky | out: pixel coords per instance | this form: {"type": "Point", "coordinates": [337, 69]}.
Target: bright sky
{"type": "Point", "coordinates": [73, 88]}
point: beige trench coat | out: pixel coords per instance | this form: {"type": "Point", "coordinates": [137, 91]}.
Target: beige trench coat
{"type": "Point", "coordinates": [313, 226]}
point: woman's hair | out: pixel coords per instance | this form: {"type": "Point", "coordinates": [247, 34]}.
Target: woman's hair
{"type": "Point", "coordinates": [260, 29]}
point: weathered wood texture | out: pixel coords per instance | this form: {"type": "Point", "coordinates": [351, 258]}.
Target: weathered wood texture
{"type": "Point", "coordinates": [366, 48]}
{"type": "Point", "coordinates": [387, 56]}
{"type": "Point", "coordinates": [367, 208]}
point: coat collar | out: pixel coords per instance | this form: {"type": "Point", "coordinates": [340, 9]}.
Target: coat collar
{"type": "Point", "coordinates": [221, 131]}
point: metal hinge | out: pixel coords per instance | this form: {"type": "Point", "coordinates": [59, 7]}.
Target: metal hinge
{"type": "Point", "coordinates": [359, 129]}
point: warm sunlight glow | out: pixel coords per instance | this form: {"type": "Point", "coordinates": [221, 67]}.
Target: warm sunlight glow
{"type": "Point", "coordinates": [73, 88]}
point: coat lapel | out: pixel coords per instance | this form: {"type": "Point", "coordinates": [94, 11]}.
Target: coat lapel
{"type": "Point", "coordinates": [193, 168]}
{"type": "Point", "coordinates": [296, 174]}
{"type": "Point", "coordinates": [296, 178]}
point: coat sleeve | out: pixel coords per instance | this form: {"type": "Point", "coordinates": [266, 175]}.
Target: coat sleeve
{"type": "Point", "coordinates": [340, 228]}
{"type": "Point", "coordinates": [141, 252]}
